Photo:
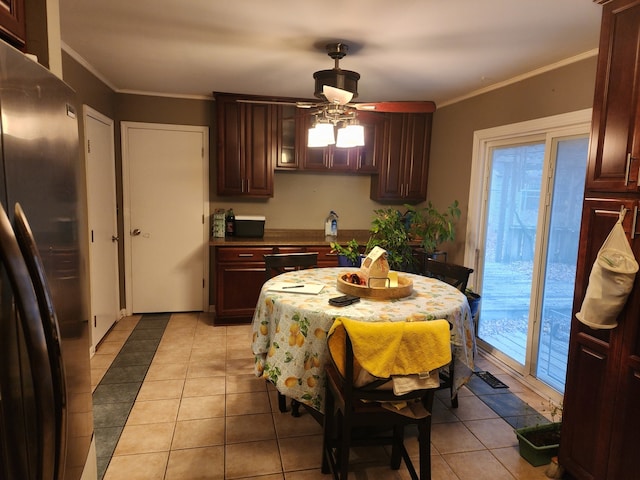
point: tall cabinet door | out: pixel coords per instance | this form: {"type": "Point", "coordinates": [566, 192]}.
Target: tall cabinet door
{"type": "Point", "coordinates": [404, 159]}
{"type": "Point", "coordinates": [625, 444]}
{"type": "Point", "coordinates": [592, 363]}
{"type": "Point", "coordinates": [247, 146]}
{"type": "Point", "coordinates": [614, 162]}
{"type": "Point", "coordinates": [261, 148]}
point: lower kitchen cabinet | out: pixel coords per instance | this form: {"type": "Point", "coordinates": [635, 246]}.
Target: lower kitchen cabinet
{"type": "Point", "coordinates": [239, 275]}
{"type": "Point", "coordinates": [239, 272]}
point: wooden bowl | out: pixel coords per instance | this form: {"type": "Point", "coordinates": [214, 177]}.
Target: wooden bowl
{"type": "Point", "coordinates": [404, 289]}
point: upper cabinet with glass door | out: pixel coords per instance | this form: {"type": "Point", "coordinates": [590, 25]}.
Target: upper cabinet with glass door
{"type": "Point", "coordinates": [614, 165]}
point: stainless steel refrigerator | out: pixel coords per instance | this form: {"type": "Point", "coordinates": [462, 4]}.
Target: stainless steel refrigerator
{"type": "Point", "coordinates": [46, 422]}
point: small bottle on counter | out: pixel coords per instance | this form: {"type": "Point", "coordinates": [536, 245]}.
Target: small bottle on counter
{"type": "Point", "coordinates": [230, 223]}
{"type": "Point", "coordinates": [331, 225]}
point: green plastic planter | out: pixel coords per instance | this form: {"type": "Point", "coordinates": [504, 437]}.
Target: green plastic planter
{"type": "Point", "coordinates": [537, 455]}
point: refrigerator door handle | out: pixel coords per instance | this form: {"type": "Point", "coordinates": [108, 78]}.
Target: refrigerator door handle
{"type": "Point", "coordinates": [38, 353]}
{"type": "Point", "coordinates": [51, 326]}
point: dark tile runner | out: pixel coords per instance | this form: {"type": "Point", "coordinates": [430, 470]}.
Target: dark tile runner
{"type": "Point", "coordinates": [116, 393]}
{"type": "Point", "coordinates": [507, 405]}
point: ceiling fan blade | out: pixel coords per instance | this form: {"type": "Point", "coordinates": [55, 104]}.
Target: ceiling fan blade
{"type": "Point", "coordinates": [336, 95]}
{"type": "Point", "coordinates": [306, 104]}
{"type": "Point", "coordinates": [397, 107]}
{"type": "Point", "coordinates": [266, 102]}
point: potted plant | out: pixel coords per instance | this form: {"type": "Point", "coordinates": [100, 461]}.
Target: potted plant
{"type": "Point", "coordinates": [432, 227]}
{"type": "Point", "coordinates": [388, 231]}
{"type": "Point", "coordinates": [348, 255]}
{"type": "Point", "coordinates": [539, 443]}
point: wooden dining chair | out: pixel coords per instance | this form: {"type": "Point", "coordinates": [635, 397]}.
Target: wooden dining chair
{"type": "Point", "coordinates": [278, 263]}
{"type": "Point", "coordinates": [351, 410]}
{"type": "Point", "coordinates": [455, 275]}
{"type": "Point", "coordinates": [458, 277]}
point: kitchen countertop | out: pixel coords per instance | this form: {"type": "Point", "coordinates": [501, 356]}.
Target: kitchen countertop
{"type": "Point", "coordinates": [293, 237]}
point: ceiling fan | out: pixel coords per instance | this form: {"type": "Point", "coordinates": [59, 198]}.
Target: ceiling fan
{"type": "Point", "coordinates": [338, 87]}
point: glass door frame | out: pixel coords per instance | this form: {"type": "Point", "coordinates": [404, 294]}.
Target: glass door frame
{"type": "Point", "coordinates": [569, 124]}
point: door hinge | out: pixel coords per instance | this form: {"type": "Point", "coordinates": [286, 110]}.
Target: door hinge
{"type": "Point", "coordinates": [88, 145]}
{"type": "Point", "coordinates": [91, 236]}
{"type": "Point", "coordinates": [95, 321]}
{"type": "Point", "coordinates": [203, 283]}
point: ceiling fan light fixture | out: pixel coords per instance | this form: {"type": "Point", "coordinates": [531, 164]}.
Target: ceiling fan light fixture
{"type": "Point", "coordinates": [350, 136]}
{"type": "Point", "coordinates": [321, 135]}
{"type": "Point", "coordinates": [336, 95]}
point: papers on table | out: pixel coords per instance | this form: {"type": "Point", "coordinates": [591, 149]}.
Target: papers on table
{"type": "Point", "coordinates": [288, 287]}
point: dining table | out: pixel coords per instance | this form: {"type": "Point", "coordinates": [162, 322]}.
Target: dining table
{"type": "Point", "coordinates": [289, 328]}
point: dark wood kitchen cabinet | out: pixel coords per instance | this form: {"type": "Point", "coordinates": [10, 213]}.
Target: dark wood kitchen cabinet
{"type": "Point", "coordinates": [248, 143]}
{"type": "Point", "coordinates": [404, 159]}
{"type": "Point", "coordinates": [12, 22]}
{"type": "Point", "coordinates": [239, 277]}
{"type": "Point", "coordinates": [601, 416]}
{"type": "Point", "coordinates": [239, 273]}
{"type": "Point", "coordinates": [615, 136]}
{"type": "Point", "coordinates": [595, 361]}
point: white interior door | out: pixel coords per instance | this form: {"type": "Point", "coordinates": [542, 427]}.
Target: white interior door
{"type": "Point", "coordinates": [165, 178]}
{"type": "Point", "coordinates": [103, 228]}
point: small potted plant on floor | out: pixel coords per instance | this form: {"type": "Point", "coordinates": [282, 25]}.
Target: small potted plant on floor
{"type": "Point", "coordinates": [539, 443]}
{"type": "Point", "coordinates": [348, 255]}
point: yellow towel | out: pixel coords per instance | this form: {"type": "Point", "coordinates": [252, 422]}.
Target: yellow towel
{"type": "Point", "coordinates": [392, 348]}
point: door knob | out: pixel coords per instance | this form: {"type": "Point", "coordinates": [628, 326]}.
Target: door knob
{"type": "Point", "coordinates": [135, 232]}
{"type": "Point", "coordinates": [114, 238]}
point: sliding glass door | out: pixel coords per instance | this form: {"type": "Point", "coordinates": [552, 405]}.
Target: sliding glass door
{"type": "Point", "coordinates": [528, 232]}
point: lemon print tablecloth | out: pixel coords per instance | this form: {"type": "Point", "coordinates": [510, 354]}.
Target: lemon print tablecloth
{"type": "Point", "coordinates": [290, 329]}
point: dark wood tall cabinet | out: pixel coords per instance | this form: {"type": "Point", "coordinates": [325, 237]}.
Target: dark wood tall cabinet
{"type": "Point", "coordinates": [601, 421]}
{"type": "Point", "coordinates": [248, 140]}
{"type": "Point", "coordinates": [403, 159]}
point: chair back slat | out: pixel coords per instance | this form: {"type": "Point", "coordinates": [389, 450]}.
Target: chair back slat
{"type": "Point", "coordinates": [278, 263]}
{"type": "Point", "coordinates": [455, 275]}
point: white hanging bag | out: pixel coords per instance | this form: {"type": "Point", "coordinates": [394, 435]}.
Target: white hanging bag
{"type": "Point", "coordinates": [610, 281]}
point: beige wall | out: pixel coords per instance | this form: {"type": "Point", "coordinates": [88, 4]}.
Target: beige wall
{"type": "Point", "coordinates": [566, 89]}
{"type": "Point", "coordinates": [303, 200]}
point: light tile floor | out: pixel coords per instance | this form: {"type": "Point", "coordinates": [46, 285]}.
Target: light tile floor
{"type": "Point", "coordinates": [200, 413]}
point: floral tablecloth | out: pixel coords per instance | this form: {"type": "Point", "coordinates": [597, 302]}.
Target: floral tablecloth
{"type": "Point", "coordinates": [290, 329]}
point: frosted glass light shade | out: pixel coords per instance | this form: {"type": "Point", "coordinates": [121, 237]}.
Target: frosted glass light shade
{"type": "Point", "coordinates": [350, 136]}
{"type": "Point", "coordinates": [321, 135]}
